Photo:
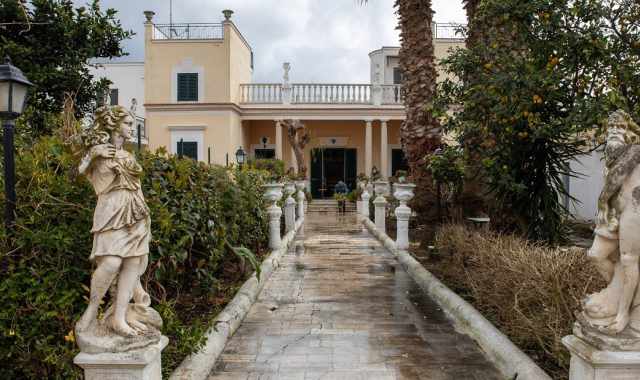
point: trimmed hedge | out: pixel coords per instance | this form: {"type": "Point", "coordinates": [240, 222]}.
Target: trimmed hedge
{"type": "Point", "coordinates": [197, 212]}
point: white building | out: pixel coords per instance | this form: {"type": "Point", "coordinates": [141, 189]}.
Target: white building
{"type": "Point", "coordinates": [127, 84]}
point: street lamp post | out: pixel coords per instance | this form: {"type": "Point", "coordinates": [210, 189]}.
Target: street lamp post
{"type": "Point", "coordinates": [13, 93]}
{"type": "Point", "coordinates": [240, 156]}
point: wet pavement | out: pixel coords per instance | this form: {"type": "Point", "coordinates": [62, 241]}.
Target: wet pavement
{"type": "Point", "coordinates": [341, 307]}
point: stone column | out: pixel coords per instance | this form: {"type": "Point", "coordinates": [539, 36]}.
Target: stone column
{"type": "Point", "coordinates": [368, 147]}
{"type": "Point", "coordinates": [278, 140]}
{"type": "Point", "coordinates": [290, 207]}
{"type": "Point", "coordinates": [300, 185]}
{"type": "Point", "coordinates": [273, 193]}
{"type": "Point", "coordinates": [384, 149]}
{"type": "Point", "coordinates": [403, 193]}
{"type": "Point", "coordinates": [381, 205]}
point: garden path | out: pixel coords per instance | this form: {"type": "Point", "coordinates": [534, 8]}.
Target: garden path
{"type": "Point", "coordinates": [341, 307]}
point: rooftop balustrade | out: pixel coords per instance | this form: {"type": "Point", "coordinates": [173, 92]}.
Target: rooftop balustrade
{"type": "Point", "coordinates": [191, 31]}
{"type": "Point", "coordinates": [449, 31]}
{"type": "Point", "coordinates": [321, 93]}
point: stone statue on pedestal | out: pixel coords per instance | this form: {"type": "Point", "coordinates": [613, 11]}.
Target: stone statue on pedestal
{"type": "Point", "coordinates": [121, 233]}
{"type": "Point", "coordinates": [610, 319]}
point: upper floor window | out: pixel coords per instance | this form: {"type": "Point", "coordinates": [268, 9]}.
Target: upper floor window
{"type": "Point", "coordinates": [188, 87]}
{"type": "Point", "coordinates": [397, 75]}
{"type": "Point", "coordinates": [113, 97]}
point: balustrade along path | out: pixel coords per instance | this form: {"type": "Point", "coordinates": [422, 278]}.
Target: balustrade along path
{"type": "Point", "coordinates": [341, 307]}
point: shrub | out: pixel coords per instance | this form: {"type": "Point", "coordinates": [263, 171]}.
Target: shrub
{"type": "Point", "coordinates": [196, 211]}
{"type": "Point", "coordinates": [527, 290]}
{"type": "Point", "coordinates": [274, 167]}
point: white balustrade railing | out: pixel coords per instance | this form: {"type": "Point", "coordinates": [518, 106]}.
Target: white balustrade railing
{"type": "Point", "coordinates": [308, 93]}
{"type": "Point", "coordinates": [331, 93]}
{"type": "Point", "coordinates": [392, 94]}
{"type": "Point", "coordinates": [261, 93]}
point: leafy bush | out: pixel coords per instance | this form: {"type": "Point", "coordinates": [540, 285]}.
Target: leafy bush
{"type": "Point", "coordinates": [196, 210]}
{"type": "Point", "coordinates": [545, 73]}
{"type": "Point", "coordinates": [527, 290]}
{"type": "Point", "coordinates": [274, 167]}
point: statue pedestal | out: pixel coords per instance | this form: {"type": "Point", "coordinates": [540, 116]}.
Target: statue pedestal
{"type": "Point", "coordinates": [590, 363]}
{"type": "Point", "coordinates": [143, 364]}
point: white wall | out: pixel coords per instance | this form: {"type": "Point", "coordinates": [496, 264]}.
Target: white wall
{"type": "Point", "coordinates": [128, 78]}
{"type": "Point", "coordinates": [587, 187]}
{"type": "Point", "coordinates": [383, 61]}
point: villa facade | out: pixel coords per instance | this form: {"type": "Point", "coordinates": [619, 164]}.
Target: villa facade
{"type": "Point", "coordinates": [199, 96]}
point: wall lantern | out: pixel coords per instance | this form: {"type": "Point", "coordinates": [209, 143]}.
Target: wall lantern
{"type": "Point", "coordinates": [13, 94]}
{"type": "Point", "coordinates": [240, 156]}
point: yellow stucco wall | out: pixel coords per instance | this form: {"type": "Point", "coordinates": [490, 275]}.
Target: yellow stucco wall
{"type": "Point", "coordinates": [441, 49]}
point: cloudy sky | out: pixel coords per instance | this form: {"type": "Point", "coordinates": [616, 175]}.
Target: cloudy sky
{"type": "Point", "coordinates": [325, 40]}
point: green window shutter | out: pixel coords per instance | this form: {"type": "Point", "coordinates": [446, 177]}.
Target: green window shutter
{"type": "Point", "coordinates": [188, 87]}
{"type": "Point", "coordinates": [397, 75]}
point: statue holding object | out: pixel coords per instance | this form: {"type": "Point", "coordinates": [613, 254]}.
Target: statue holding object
{"type": "Point", "coordinates": [610, 319]}
{"type": "Point", "coordinates": [121, 234]}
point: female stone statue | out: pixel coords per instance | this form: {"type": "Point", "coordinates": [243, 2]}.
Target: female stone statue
{"type": "Point", "coordinates": [121, 232]}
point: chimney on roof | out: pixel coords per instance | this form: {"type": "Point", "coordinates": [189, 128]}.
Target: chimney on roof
{"type": "Point", "coordinates": [227, 14]}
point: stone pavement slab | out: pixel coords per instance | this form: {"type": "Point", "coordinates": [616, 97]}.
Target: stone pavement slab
{"type": "Point", "coordinates": [341, 307]}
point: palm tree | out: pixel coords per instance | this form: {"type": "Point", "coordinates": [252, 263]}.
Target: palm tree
{"type": "Point", "coordinates": [420, 133]}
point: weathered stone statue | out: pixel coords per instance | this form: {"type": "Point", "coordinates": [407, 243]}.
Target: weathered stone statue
{"type": "Point", "coordinates": [121, 234]}
{"type": "Point", "coordinates": [611, 318]}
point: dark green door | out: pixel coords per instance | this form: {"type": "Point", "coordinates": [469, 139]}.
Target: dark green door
{"type": "Point", "coordinates": [329, 166]}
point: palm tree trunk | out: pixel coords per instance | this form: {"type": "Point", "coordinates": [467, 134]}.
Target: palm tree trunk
{"type": "Point", "coordinates": [420, 133]}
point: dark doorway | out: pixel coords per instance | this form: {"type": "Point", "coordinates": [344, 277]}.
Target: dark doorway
{"type": "Point", "coordinates": [330, 165]}
{"type": "Point", "coordinates": [398, 161]}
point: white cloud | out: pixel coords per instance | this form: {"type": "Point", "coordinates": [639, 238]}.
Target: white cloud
{"type": "Point", "coordinates": [325, 40]}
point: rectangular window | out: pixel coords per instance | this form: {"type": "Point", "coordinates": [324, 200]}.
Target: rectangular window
{"type": "Point", "coordinates": [188, 149]}
{"type": "Point", "coordinates": [397, 75]}
{"type": "Point", "coordinates": [188, 87]}
{"type": "Point", "coordinates": [113, 96]}
{"type": "Point", "coordinates": [398, 161]}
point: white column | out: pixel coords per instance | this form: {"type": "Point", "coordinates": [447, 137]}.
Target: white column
{"type": "Point", "coordinates": [278, 140]}
{"type": "Point", "coordinates": [381, 213]}
{"type": "Point", "coordinates": [368, 148]}
{"type": "Point", "coordinates": [300, 185]}
{"type": "Point", "coordinates": [384, 150]}
{"type": "Point", "coordinates": [365, 203]}
{"type": "Point", "coordinates": [290, 207]}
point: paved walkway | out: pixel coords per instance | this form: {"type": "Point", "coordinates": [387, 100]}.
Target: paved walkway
{"type": "Point", "coordinates": [341, 307]}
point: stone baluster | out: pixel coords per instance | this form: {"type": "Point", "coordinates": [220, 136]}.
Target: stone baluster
{"type": "Point", "coordinates": [290, 207]}
{"type": "Point", "coordinates": [403, 192]}
{"type": "Point", "coordinates": [300, 185]}
{"type": "Point", "coordinates": [366, 197]}
{"type": "Point", "coordinates": [273, 193]}
{"type": "Point", "coordinates": [380, 204]}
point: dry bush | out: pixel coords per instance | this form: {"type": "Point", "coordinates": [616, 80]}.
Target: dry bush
{"type": "Point", "coordinates": [528, 291]}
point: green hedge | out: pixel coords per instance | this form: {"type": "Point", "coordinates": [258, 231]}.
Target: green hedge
{"type": "Point", "coordinates": [44, 267]}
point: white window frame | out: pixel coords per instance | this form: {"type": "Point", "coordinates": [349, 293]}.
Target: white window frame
{"type": "Point", "coordinates": [186, 67]}
{"type": "Point", "coordinates": [187, 134]}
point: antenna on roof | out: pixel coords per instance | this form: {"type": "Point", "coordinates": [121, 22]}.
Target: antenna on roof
{"type": "Point", "coordinates": [170, 13]}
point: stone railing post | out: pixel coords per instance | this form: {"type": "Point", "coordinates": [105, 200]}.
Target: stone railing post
{"type": "Point", "coordinates": [290, 207]}
{"type": "Point", "coordinates": [366, 197]}
{"type": "Point", "coordinates": [404, 193]}
{"type": "Point", "coordinates": [273, 193]}
{"type": "Point", "coordinates": [300, 185]}
{"type": "Point", "coordinates": [376, 94]}
{"type": "Point", "coordinates": [380, 205]}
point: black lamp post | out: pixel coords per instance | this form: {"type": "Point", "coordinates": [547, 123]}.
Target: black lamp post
{"type": "Point", "coordinates": [13, 93]}
{"type": "Point", "coordinates": [240, 156]}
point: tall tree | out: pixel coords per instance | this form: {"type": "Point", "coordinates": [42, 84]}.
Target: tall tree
{"type": "Point", "coordinates": [420, 132]}
{"type": "Point", "coordinates": [53, 42]}
{"type": "Point", "coordinates": [541, 78]}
